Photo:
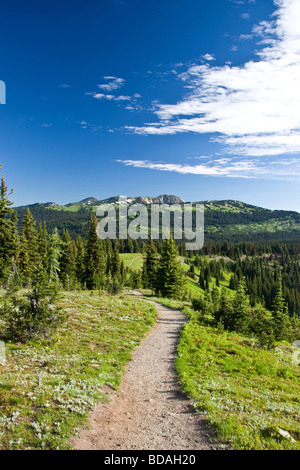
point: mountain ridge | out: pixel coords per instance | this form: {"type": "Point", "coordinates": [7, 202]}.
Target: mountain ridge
{"type": "Point", "coordinates": [161, 199]}
{"type": "Point", "coordinates": [226, 219]}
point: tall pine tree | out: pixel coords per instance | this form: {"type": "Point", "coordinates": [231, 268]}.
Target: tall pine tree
{"type": "Point", "coordinates": [43, 245]}
{"type": "Point", "coordinates": [170, 279]}
{"type": "Point", "coordinates": [8, 235]}
{"type": "Point", "coordinates": [80, 257]}
{"type": "Point", "coordinates": [150, 266]}
{"type": "Point", "coordinates": [94, 258]}
{"type": "Point", "coordinates": [55, 248]}
{"type": "Point", "coordinates": [29, 253]}
{"type": "Point", "coordinates": [281, 320]}
{"type": "Point", "coordinates": [68, 261]}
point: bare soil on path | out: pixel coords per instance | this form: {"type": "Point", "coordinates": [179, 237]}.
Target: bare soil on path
{"type": "Point", "coordinates": [149, 411]}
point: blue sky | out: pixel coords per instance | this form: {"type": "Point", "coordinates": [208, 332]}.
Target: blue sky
{"type": "Point", "coordinates": [194, 98]}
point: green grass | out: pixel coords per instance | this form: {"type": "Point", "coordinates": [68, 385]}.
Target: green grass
{"type": "Point", "coordinates": [132, 260]}
{"type": "Point", "coordinates": [193, 287]}
{"type": "Point", "coordinates": [47, 390]}
{"type": "Point", "coordinates": [73, 208]}
{"type": "Point", "coordinates": [248, 394]}
{"type": "Point", "coordinates": [269, 226]}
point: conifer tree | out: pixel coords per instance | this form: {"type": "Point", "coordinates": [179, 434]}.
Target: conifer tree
{"type": "Point", "coordinates": [241, 308]}
{"type": "Point", "coordinates": [26, 267]}
{"type": "Point", "coordinates": [94, 258]}
{"type": "Point", "coordinates": [128, 245]}
{"type": "Point", "coordinates": [225, 311]}
{"type": "Point", "coordinates": [122, 273]}
{"type": "Point", "coordinates": [29, 252]}
{"type": "Point", "coordinates": [150, 266]}
{"type": "Point", "coordinates": [36, 316]}
{"type": "Point", "coordinates": [108, 249]}
{"type": "Point", "coordinates": [43, 245]}
{"type": "Point", "coordinates": [170, 279]}
{"type": "Point", "coordinates": [281, 319]}
{"type": "Point", "coordinates": [55, 248]}
{"type": "Point", "coordinates": [68, 261]}
{"type": "Point", "coordinates": [261, 326]}
{"type": "Point", "coordinates": [80, 267]}
{"type": "Point", "coordinates": [8, 235]}
{"type": "Point", "coordinates": [115, 263]}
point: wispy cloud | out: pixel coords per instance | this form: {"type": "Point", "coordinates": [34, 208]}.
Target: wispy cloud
{"type": "Point", "coordinates": [113, 83]}
{"type": "Point", "coordinates": [253, 108]}
{"type": "Point", "coordinates": [87, 125]}
{"type": "Point", "coordinates": [230, 167]}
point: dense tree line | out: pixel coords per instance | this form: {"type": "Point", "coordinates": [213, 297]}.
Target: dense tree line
{"type": "Point", "coordinates": [217, 221]}
{"type": "Point", "coordinates": [265, 277]}
{"type": "Point", "coordinates": [261, 276]}
{"type": "Point", "coordinates": [234, 313]}
{"type": "Point", "coordinates": [85, 263]}
{"type": "Point", "coordinates": [88, 263]}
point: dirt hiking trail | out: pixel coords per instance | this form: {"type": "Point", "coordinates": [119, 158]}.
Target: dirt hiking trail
{"type": "Point", "coordinates": [149, 411]}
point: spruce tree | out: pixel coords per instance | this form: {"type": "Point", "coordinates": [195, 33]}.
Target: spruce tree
{"type": "Point", "coordinates": [281, 320]}
{"type": "Point", "coordinates": [8, 235]}
{"type": "Point", "coordinates": [115, 264]}
{"type": "Point", "coordinates": [170, 279]}
{"type": "Point", "coordinates": [94, 258]}
{"type": "Point", "coordinates": [225, 312]}
{"type": "Point", "coordinates": [150, 266]}
{"type": "Point", "coordinates": [29, 252]}
{"type": "Point", "coordinates": [36, 316]}
{"type": "Point", "coordinates": [68, 261]}
{"type": "Point", "coordinates": [25, 265]}
{"type": "Point", "coordinates": [241, 308]}
{"type": "Point", "coordinates": [80, 257]}
{"type": "Point", "coordinates": [43, 245]}
{"type": "Point", "coordinates": [55, 248]}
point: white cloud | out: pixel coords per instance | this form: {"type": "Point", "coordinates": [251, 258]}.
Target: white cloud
{"type": "Point", "coordinates": [208, 57]}
{"type": "Point", "coordinates": [254, 108]}
{"type": "Point", "coordinates": [102, 96]}
{"type": "Point", "coordinates": [230, 167]}
{"type": "Point", "coordinates": [123, 98]}
{"type": "Point", "coordinates": [244, 37]}
{"type": "Point", "coordinates": [114, 83]}
{"type": "Point", "coordinates": [87, 125]}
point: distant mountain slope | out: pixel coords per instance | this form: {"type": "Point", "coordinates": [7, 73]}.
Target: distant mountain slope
{"type": "Point", "coordinates": [224, 220]}
{"type": "Point", "coordinates": [238, 221]}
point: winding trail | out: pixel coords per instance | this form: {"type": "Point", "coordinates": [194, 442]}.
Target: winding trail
{"type": "Point", "coordinates": [132, 261]}
{"type": "Point", "coordinates": [149, 412]}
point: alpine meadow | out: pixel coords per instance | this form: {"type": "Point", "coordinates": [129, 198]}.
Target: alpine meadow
{"type": "Point", "coordinates": [132, 339]}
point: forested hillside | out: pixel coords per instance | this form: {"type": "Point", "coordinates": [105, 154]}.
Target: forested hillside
{"type": "Point", "coordinates": [231, 220]}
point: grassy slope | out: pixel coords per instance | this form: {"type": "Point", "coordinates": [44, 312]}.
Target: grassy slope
{"type": "Point", "coordinates": [247, 393]}
{"type": "Point", "coordinates": [270, 226]}
{"type": "Point", "coordinates": [46, 391]}
{"type": "Point", "coordinates": [132, 260]}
